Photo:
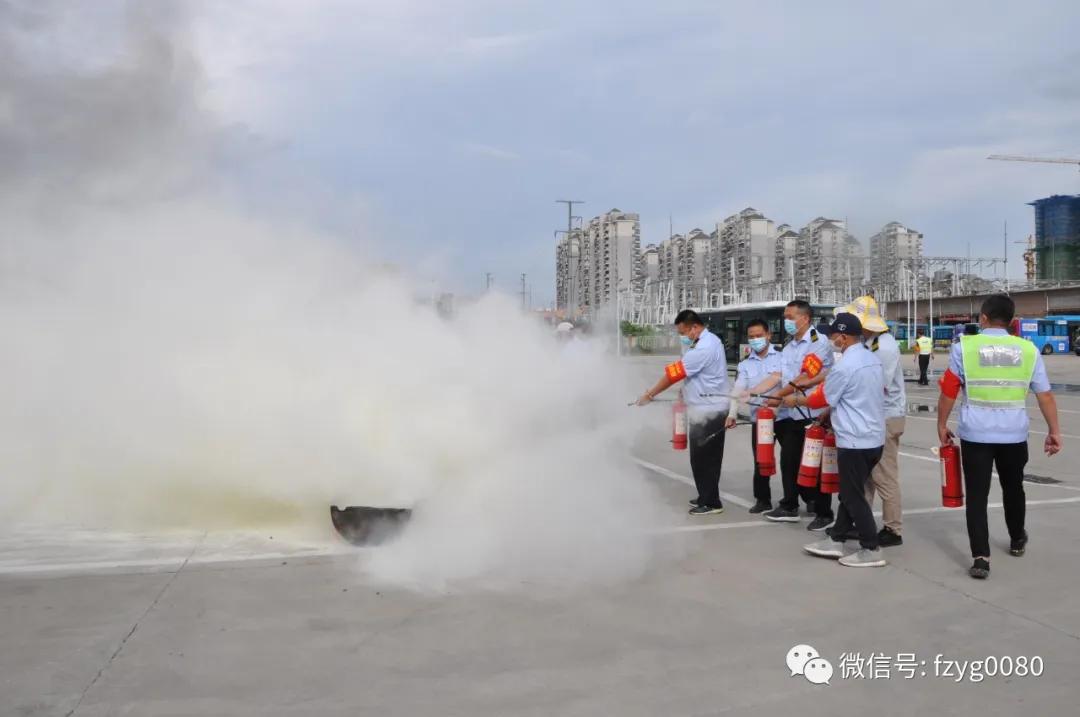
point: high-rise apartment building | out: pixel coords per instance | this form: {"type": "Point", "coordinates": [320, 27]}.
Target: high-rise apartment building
{"type": "Point", "coordinates": [596, 261]}
{"type": "Point", "coordinates": [894, 251]}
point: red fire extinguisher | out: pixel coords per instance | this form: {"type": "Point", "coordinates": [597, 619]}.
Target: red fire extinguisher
{"type": "Point", "coordinates": [766, 441]}
{"type": "Point", "coordinates": [678, 424]}
{"type": "Point", "coordinates": [952, 478]}
{"type": "Point", "coordinates": [830, 466]}
{"type": "Point", "coordinates": [810, 466]}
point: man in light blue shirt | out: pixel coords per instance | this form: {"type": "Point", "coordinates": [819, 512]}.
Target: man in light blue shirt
{"type": "Point", "coordinates": [806, 343]}
{"type": "Point", "coordinates": [995, 372]}
{"type": "Point", "coordinates": [758, 373]}
{"type": "Point", "coordinates": [886, 476]}
{"type": "Point", "coordinates": [706, 393]}
{"type": "Point", "coordinates": [855, 390]}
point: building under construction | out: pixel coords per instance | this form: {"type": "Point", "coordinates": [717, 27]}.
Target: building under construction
{"type": "Point", "coordinates": [1057, 238]}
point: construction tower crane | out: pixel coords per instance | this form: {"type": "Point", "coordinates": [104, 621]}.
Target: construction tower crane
{"type": "Point", "coordinates": [1030, 258]}
{"type": "Point", "coordinates": [1048, 160]}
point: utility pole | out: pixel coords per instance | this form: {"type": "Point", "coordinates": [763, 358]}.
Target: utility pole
{"type": "Point", "coordinates": [523, 306]}
{"type": "Point", "coordinates": [573, 258]}
{"type": "Point", "coordinates": [1004, 246]}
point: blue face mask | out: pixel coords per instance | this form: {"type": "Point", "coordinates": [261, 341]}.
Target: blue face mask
{"type": "Point", "coordinates": [758, 345]}
{"type": "Point", "coordinates": [789, 326]}
{"type": "Point", "coordinates": [686, 340]}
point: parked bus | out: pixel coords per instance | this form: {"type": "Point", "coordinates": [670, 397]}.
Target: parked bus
{"type": "Point", "coordinates": [729, 323]}
{"type": "Point", "coordinates": [1051, 334]}
{"type": "Point", "coordinates": [943, 336]}
{"type": "Point", "coordinates": [899, 330]}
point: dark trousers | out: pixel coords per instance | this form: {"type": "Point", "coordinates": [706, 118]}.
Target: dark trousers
{"type": "Point", "coordinates": [791, 434]}
{"type": "Point", "coordinates": [856, 465]}
{"type": "Point", "coordinates": [706, 439]}
{"type": "Point", "coordinates": [924, 366]}
{"type": "Point", "coordinates": [978, 460]}
{"type": "Point", "coordinates": [762, 492]}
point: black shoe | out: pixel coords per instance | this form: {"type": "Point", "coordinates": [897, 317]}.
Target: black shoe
{"type": "Point", "coordinates": [980, 569]}
{"type": "Point", "coordinates": [887, 538]}
{"type": "Point", "coordinates": [782, 515]}
{"type": "Point", "coordinates": [852, 534]}
{"type": "Point", "coordinates": [1017, 547]}
{"type": "Point", "coordinates": [695, 502]}
{"type": "Point", "coordinates": [706, 510]}
{"type": "Point", "coordinates": [760, 507]}
{"type": "Point", "coordinates": [819, 523]}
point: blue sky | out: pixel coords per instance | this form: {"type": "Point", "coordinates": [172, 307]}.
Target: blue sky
{"type": "Point", "coordinates": [446, 130]}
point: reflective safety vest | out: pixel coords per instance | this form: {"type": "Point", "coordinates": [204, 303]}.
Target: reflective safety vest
{"type": "Point", "coordinates": [925, 344]}
{"type": "Point", "coordinates": [997, 370]}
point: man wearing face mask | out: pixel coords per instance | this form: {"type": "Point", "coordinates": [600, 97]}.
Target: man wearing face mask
{"type": "Point", "coordinates": [790, 426]}
{"type": "Point", "coordinates": [855, 391]}
{"type": "Point", "coordinates": [758, 373]}
{"type": "Point", "coordinates": [886, 476]}
{"type": "Point", "coordinates": [704, 367]}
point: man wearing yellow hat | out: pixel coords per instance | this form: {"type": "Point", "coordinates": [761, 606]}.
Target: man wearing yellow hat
{"type": "Point", "coordinates": [885, 478]}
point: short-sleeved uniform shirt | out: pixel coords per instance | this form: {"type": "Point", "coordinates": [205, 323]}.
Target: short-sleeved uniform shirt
{"type": "Point", "coordinates": [885, 348]}
{"type": "Point", "coordinates": [706, 389]}
{"type": "Point", "coordinates": [791, 359]}
{"type": "Point", "coordinates": [995, 425]}
{"type": "Point", "coordinates": [753, 370]}
{"type": "Point", "coordinates": [855, 388]}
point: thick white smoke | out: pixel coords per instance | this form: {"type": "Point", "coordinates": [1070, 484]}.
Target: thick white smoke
{"type": "Point", "coordinates": [172, 361]}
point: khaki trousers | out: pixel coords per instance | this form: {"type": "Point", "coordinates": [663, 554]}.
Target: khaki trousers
{"type": "Point", "coordinates": [886, 476]}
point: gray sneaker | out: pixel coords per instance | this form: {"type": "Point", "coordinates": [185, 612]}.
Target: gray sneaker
{"type": "Point", "coordinates": [827, 548]}
{"type": "Point", "coordinates": [864, 558]}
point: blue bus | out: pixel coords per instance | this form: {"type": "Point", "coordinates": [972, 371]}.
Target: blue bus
{"type": "Point", "coordinates": [899, 330]}
{"type": "Point", "coordinates": [1051, 334]}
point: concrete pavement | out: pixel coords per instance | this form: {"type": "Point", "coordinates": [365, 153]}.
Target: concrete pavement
{"type": "Point", "coordinates": [228, 624]}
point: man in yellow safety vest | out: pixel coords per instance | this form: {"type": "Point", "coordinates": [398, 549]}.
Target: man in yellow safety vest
{"type": "Point", "coordinates": [995, 371]}
{"type": "Point", "coordinates": [924, 352]}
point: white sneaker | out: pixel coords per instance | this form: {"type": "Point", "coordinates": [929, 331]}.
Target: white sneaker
{"type": "Point", "coordinates": [864, 558]}
{"type": "Point", "coordinates": [827, 548]}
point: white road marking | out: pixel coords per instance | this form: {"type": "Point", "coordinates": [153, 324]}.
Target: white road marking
{"type": "Point", "coordinates": [877, 514]}
{"type": "Point", "coordinates": [155, 563]}
{"type": "Point", "coordinates": [952, 421]}
{"type": "Point", "coordinates": [660, 470]}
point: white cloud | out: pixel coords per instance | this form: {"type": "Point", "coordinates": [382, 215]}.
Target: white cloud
{"type": "Point", "coordinates": [490, 152]}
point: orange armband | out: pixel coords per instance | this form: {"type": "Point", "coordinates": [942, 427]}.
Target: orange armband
{"type": "Point", "coordinates": [812, 365]}
{"type": "Point", "coordinates": [817, 399]}
{"type": "Point", "coordinates": [675, 371]}
{"type": "Point", "coordinates": [950, 384]}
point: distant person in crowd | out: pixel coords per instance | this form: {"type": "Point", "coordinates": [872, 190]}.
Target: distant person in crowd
{"type": "Point", "coordinates": [995, 371]}
{"type": "Point", "coordinates": [790, 426]}
{"type": "Point", "coordinates": [885, 479]}
{"type": "Point", "coordinates": [855, 391]}
{"type": "Point", "coordinates": [924, 353]}
{"type": "Point", "coordinates": [758, 373]}
{"type": "Point", "coordinates": [704, 368]}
